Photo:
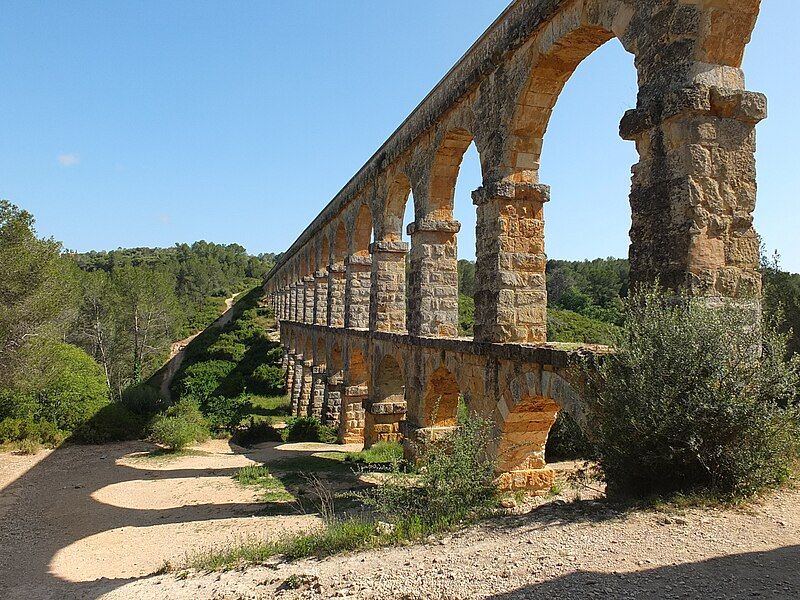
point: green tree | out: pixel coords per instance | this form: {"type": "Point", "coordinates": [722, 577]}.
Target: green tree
{"type": "Point", "coordinates": [36, 298]}
{"type": "Point", "coordinates": [146, 312]}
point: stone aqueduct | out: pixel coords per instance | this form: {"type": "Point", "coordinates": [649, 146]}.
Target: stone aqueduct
{"type": "Point", "coordinates": [361, 356]}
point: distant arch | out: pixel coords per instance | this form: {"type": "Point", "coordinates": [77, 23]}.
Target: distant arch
{"type": "Point", "coordinates": [361, 236]}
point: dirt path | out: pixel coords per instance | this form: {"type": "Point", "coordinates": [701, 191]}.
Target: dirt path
{"type": "Point", "coordinates": [177, 349]}
{"type": "Point", "coordinates": [81, 517]}
{"type": "Point", "coordinates": [93, 522]}
{"type": "Point", "coordinates": [574, 551]}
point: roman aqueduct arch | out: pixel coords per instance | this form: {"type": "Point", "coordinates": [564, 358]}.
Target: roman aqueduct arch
{"type": "Point", "coordinates": [359, 358]}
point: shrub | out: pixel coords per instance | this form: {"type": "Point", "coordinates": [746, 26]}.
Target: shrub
{"type": "Point", "coordinates": [225, 413]}
{"type": "Point", "coordinates": [466, 315]}
{"type": "Point", "coordinates": [308, 429]}
{"type": "Point", "coordinates": [691, 402]}
{"type": "Point", "coordinates": [182, 424]}
{"type": "Point", "coordinates": [142, 399]}
{"type": "Point", "coordinates": [73, 388]}
{"type": "Point", "coordinates": [268, 380]}
{"type": "Point", "coordinates": [40, 432]}
{"type": "Point", "coordinates": [257, 433]}
{"type": "Point", "coordinates": [380, 453]}
{"type": "Point", "coordinates": [456, 482]}
{"type": "Point", "coordinates": [201, 379]}
{"type": "Point", "coordinates": [112, 423]}
{"type": "Point", "coordinates": [569, 326]}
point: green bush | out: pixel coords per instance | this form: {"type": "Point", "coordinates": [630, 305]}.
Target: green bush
{"type": "Point", "coordinates": [180, 425]}
{"type": "Point", "coordinates": [72, 390]}
{"type": "Point", "coordinates": [142, 399]}
{"type": "Point", "coordinates": [380, 453]}
{"type": "Point", "coordinates": [466, 316]}
{"type": "Point", "coordinates": [257, 433]}
{"type": "Point", "coordinates": [202, 379]}
{"type": "Point", "coordinates": [268, 380]}
{"type": "Point", "coordinates": [690, 402]}
{"type": "Point", "coordinates": [40, 432]}
{"type": "Point", "coordinates": [227, 347]}
{"type": "Point", "coordinates": [112, 423]}
{"type": "Point", "coordinates": [456, 482]}
{"type": "Point", "coordinates": [569, 326]}
{"type": "Point", "coordinates": [308, 429]}
{"type": "Point", "coordinates": [225, 414]}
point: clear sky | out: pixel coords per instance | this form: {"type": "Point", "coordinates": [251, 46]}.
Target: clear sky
{"type": "Point", "coordinates": [148, 123]}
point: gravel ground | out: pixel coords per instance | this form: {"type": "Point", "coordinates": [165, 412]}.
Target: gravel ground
{"type": "Point", "coordinates": [575, 550]}
{"type": "Point", "coordinates": [72, 500]}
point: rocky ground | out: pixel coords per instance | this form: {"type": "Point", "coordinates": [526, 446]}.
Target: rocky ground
{"type": "Point", "coordinates": [54, 548]}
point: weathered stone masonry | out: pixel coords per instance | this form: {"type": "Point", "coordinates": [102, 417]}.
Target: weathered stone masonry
{"type": "Point", "coordinates": [361, 359]}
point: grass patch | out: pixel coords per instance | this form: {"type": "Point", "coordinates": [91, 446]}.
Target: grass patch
{"type": "Point", "coordinates": [381, 453]}
{"type": "Point", "coordinates": [273, 409]}
{"type": "Point", "coordinates": [273, 488]}
{"type": "Point", "coordinates": [342, 536]}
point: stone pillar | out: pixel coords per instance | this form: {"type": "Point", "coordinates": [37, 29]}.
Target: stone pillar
{"type": "Point", "coordinates": [357, 291]}
{"type": "Point", "coordinates": [352, 424]}
{"type": "Point", "coordinates": [297, 384]}
{"type": "Point", "coordinates": [336, 294]}
{"type": "Point", "coordinates": [382, 421]}
{"type": "Point", "coordinates": [308, 300]}
{"type": "Point", "coordinates": [306, 389]}
{"type": "Point", "coordinates": [694, 189]}
{"type": "Point", "coordinates": [433, 305]}
{"type": "Point", "coordinates": [321, 298]}
{"type": "Point", "coordinates": [332, 405]}
{"type": "Point", "coordinates": [285, 304]}
{"type": "Point", "coordinates": [293, 302]}
{"type": "Point", "coordinates": [388, 290]}
{"type": "Point", "coordinates": [511, 298]}
{"type": "Point", "coordinates": [318, 392]}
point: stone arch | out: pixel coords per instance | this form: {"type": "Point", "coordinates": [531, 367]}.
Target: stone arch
{"type": "Point", "coordinates": [361, 232]}
{"type": "Point", "coordinates": [444, 174]}
{"type": "Point", "coordinates": [395, 208]}
{"type": "Point", "coordinates": [386, 405]}
{"type": "Point", "coordinates": [339, 243]}
{"type": "Point", "coordinates": [524, 416]}
{"type": "Point", "coordinates": [440, 402]}
{"type": "Point", "coordinates": [323, 252]}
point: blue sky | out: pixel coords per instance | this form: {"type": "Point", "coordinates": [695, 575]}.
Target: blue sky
{"type": "Point", "coordinates": [148, 123]}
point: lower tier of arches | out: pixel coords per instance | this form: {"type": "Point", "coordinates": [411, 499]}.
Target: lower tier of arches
{"type": "Point", "coordinates": [376, 387]}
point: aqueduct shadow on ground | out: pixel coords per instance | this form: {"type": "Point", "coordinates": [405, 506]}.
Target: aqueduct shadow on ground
{"type": "Point", "coordinates": [28, 514]}
{"type": "Point", "coordinates": [773, 574]}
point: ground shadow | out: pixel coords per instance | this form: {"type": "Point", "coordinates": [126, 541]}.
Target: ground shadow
{"type": "Point", "coordinates": [72, 512]}
{"type": "Point", "coordinates": [771, 574]}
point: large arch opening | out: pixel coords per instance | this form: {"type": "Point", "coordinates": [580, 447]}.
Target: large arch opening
{"type": "Point", "coordinates": [566, 135]}
{"type": "Point", "coordinates": [359, 270]}
{"type": "Point", "coordinates": [455, 174]}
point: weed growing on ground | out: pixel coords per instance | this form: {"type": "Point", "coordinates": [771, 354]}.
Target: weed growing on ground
{"type": "Point", "coordinates": [455, 487]}
{"type": "Point", "coordinates": [388, 453]}
{"type": "Point", "coordinates": [273, 488]}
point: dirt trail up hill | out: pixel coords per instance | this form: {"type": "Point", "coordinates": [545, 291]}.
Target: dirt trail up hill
{"type": "Point", "coordinates": [177, 350]}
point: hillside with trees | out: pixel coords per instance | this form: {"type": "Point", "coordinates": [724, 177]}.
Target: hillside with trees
{"type": "Point", "coordinates": [79, 332]}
